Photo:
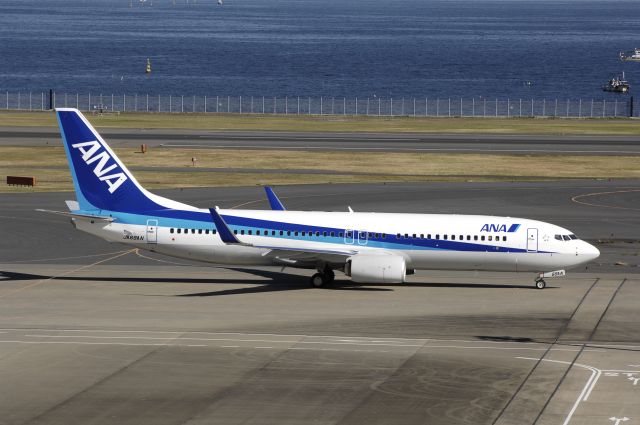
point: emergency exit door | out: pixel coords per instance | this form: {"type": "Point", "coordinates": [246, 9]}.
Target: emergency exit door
{"type": "Point", "coordinates": [152, 231]}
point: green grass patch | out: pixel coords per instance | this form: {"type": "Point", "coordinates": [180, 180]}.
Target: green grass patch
{"type": "Point", "coordinates": [314, 123]}
{"type": "Point", "coordinates": [170, 168]}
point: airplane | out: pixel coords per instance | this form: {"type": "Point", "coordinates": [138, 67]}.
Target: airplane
{"type": "Point", "coordinates": [367, 247]}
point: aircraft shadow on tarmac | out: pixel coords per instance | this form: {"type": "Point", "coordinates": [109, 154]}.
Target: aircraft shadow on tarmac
{"type": "Point", "coordinates": [275, 281]}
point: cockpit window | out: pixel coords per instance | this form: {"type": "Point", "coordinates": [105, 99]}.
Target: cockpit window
{"type": "Point", "coordinates": [566, 237]}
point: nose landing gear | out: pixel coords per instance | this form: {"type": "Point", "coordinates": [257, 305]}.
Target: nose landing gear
{"type": "Point", "coordinates": [541, 284]}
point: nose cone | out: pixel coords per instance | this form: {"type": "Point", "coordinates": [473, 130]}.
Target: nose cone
{"type": "Point", "coordinates": [588, 252]}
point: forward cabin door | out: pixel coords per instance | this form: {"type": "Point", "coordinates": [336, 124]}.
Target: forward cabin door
{"type": "Point", "coordinates": [532, 240]}
{"type": "Point", "coordinates": [152, 231]}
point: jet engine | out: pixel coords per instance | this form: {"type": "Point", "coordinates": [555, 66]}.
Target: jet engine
{"type": "Point", "coordinates": [365, 268]}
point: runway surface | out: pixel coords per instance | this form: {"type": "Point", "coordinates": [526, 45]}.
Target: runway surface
{"type": "Point", "coordinates": [371, 142]}
{"type": "Point", "coordinates": [95, 333]}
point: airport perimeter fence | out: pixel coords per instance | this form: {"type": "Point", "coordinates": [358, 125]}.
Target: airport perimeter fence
{"type": "Point", "coordinates": [377, 106]}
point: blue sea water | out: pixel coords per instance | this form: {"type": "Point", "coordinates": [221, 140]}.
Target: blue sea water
{"type": "Point", "coordinates": [364, 48]}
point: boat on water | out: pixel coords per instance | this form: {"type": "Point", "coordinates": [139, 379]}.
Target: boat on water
{"type": "Point", "coordinates": [632, 56]}
{"type": "Point", "coordinates": [617, 85]}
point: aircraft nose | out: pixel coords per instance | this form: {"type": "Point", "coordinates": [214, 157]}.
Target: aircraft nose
{"type": "Point", "coordinates": [589, 252]}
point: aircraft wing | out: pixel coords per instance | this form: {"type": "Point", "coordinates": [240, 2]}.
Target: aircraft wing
{"type": "Point", "coordinates": [274, 202]}
{"type": "Point", "coordinates": [304, 256]}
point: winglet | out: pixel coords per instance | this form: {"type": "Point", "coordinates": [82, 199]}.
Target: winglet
{"type": "Point", "coordinates": [225, 233]}
{"type": "Point", "coordinates": [275, 203]}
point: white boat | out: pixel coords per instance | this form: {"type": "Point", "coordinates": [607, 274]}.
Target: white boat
{"type": "Point", "coordinates": [633, 57]}
{"type": "Point", "coordinates": [617, 85]}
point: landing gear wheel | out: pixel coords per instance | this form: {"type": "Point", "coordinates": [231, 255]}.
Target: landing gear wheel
{"type": "Point", "coordinates": [318, 280]}
{"type": "Point", "coordinates": [541, 284]}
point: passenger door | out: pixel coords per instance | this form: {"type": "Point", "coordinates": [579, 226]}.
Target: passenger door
{"type": "Point", "coordinates": [532, 240]}
{"type": "Point", "coordinates": [152, 231]}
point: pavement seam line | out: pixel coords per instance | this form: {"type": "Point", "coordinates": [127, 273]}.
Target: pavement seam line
{"type": "Point", "coordinates": [551, 345]}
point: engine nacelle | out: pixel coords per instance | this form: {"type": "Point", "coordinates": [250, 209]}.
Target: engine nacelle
{"type": "Point", "coordinates": [364, 268]}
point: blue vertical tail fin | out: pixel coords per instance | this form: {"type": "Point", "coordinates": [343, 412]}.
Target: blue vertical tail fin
{"type": "Point", "coordinates": [100, 180]}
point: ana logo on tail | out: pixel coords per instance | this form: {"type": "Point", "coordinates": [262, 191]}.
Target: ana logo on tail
{"type": "Point", "coordinates": [89, 156]}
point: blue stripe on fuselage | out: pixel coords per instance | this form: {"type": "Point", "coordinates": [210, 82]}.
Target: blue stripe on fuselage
{"type": "Point", "coordinates": [201, 220]}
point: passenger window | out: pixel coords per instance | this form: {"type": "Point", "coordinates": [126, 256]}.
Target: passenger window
{"type": "Point", "coordinates": [186, 231]}
{"type": "Point", "coordinates": [333, 234]}
{"type": "Point", "coordinates": [206, 232]}
{"type": "Point", "coordinates": [242, 232]}
{"type": "Point", "coordinates": [295, 233]}
{"type": "Point", "coordinates": [318, 233]}
{"type": "Point", "coordinates": [257, 232]}
{"type": "Point", "coordinates": [281, 232]}
{"type": "Point", "coordinates": [179, 230]}
{"type": "Point", "coordinates": [340, 234]}
{"type": "Point", "coordinates": [214, 231]}
{"type": "Point", "coordinates": [324, 233]}
{"type": "Point", "coordinates": [398, 236]}
{"type": "Point", "coordinates": [235, 232]}
{"type": "Point", "coordinates": [468, 237]}
{"type": "Point", "coordinates": [288, 232]}
{"type": "Point", "coordinates": [437, 237]}
{"type": "Point", "coordinates": [429, 236]}
{"type": "Point", "coordinates": [482, 238]}
{"type": "Point", "coordinates": [171, 231]}
{"type": "Point", "coordinates": [193, 231]}
{"type": "Point", "coordinates": [490, 238]}
{"type": "Point", "coordinates": [199, 231]}
{"type": "Point", "coordinates": [384, 236]}
{"type": "Point", "coordinates": [504, 239]}
{"type": "Point", "coordinates": [414, 236]}
{"type": "Point", "coordinates": [461, 237]}
{"type": "Point", "coordinates": [475, 237]}
{"type": "Point", "coordinates": [445, 237]}
{"type": "Point", "coordinates": [303, 233]}
{"type": "Point", "coordinates": [453, 237]}
{"type": "Point", "coordinates": [250, 231]}
{"type": "Point", "coordinates": [406, 236]}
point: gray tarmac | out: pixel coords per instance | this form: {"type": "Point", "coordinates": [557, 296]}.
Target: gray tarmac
{"type": "Point", "coordinates": [371, 142]}
{"type": "Point", "coordinates": [94, 333]}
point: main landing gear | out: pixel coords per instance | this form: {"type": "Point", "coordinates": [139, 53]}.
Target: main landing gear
{"type": "Point", "coordinates": [540, 283]}
{"type": "Point", "coordinates": [323, 278]}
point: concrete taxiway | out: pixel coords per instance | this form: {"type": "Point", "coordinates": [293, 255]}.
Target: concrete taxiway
{"type": "Point", "coordinates": [371, 142]}
{"type": "Point", "coordinates": [96, 333]}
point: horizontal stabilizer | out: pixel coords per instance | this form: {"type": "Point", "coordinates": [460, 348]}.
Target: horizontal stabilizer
{"type": "Point", "coordinates": [79, 216]}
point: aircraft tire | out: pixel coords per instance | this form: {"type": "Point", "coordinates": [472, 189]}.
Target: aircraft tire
{"type": "Point", "coordinates": [541, 284]}
{"type": "Point", "coordinates": [318, 280]}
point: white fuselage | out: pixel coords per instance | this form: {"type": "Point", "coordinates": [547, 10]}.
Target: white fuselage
{"type": "Point", "coordinates": [426, 241]}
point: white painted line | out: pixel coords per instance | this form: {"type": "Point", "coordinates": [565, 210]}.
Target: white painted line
{"type": "Point", "coordinates": [97, 343]}
{"type": "Point", "coordinates": [214, 333]}
{"type": "Point", "coordinates": [219, 339]}
{"type": "Point", "coordinates": [586, 390]}
{"type": "Point", "coordinates": [230, 346]}
{"type": "Point", "coordinates": [393, 149]}
{"type": "Point", "coordinates": [264, 347]}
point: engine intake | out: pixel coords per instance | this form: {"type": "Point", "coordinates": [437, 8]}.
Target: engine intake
{"type": "Point", "coordinates": [365, 268]}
